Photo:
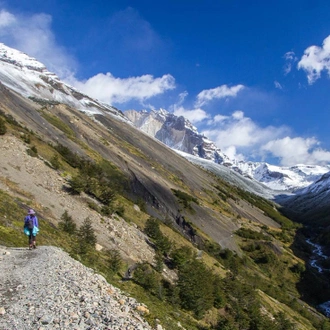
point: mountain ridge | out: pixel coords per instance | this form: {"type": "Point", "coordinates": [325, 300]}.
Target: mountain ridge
{"type": "Point", "coordinates": [178, 133]}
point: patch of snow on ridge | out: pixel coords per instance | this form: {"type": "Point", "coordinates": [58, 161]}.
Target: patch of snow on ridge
{"type": "Point", "coordinates": [30, 78]}
{"type": "Point", "coordinates": [231, 176]}
{"type": "Point", "coordinates": [20, 59]}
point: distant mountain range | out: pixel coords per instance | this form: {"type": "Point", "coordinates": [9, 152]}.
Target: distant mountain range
{"type": "Point", "coordinates": [179, 134]}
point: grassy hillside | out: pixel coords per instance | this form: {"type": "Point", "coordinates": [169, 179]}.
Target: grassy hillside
{"type": "Point", "coordinates": [100, 177]}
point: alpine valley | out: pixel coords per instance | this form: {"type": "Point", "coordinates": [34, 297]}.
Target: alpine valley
{"type": "Point", "coordinates": [204, 241]}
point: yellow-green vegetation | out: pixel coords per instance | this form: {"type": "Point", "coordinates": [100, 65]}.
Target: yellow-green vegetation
{"type": "Point", "coordinates": [58, 123]}
{"type": "Point", "coordinates": [185, 199]}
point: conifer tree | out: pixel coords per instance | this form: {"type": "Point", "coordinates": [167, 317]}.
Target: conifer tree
{"type": "Point", "coordinates": [67, 224]}
{"type": "Point", "coordinates": [86, 236]}
{"type": "Point", "coordinates": [196, 287]}
{"type": "Point", "coordinates": [115, 260]}
{"type": "Point", "coordinates": [3, 128]}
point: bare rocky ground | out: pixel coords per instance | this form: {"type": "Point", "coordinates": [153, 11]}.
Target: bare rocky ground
{"type": "Point", "coordinates": [46, 289]}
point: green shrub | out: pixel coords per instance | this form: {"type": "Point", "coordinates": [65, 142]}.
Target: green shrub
{"type": "Point", "coordinates": [33, 152]}
{"type": "Point", "coordinates": [55, 162]}
{"type": "Point", "coordinates": [181, 256]}
{"type": "Point", "coordinates": [26, 138]}
{"type": "Point", "coordinates": [251, 234]}
{"type": "Point", "coordinates": [185, 198]}
{"type": "Point", "coordinates": [162, 243]}
{"type": "Point", "coordinates": [196, 288]}
{"type": "Point", "coordinates": [149, 279]}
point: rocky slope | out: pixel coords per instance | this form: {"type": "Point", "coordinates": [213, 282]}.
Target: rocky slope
{"type": "Point", "coordinates": [23, 175]}
{"type": "Point", "coordinates": [47, 289]}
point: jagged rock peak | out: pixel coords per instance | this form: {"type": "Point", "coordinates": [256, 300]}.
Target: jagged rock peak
{"type": "Point", "coordinates": [177, 132]}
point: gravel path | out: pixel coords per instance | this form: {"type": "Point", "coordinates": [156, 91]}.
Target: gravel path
{"type": "Point", "coordinates": [47, 289]}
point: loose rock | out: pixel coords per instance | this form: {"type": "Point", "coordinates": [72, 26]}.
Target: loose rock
{"type": "Point", "coordinates": [49, 290]}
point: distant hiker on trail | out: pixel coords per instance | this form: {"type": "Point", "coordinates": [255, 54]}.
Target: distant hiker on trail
{"type": "Point", "coordinates": [31, 228]}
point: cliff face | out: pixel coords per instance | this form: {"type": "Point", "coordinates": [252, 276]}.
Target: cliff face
{"type": "Point", "coordinates": [176, 132]}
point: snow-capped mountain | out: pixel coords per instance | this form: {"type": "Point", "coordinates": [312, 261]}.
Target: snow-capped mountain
{"type": "Point", "coordinates": [179, 134]}
{"type": "Point", "coordinates": [309, 204]}
{"type": "Point", "coordinates": [30, 78]}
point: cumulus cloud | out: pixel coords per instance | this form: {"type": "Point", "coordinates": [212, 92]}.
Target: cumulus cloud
{"type": "Point", "coordinates": [315, 60]}
{"type": "Point", "coordinates": [297, 150]}
{"type": "Point", "coordinates": [219, 92]}
{"type": "Point", "coordinates": [237, 134]}
{"type": "Point", "coordinates": [109, 89]}
{"type": "Point", "coordinates": [240, 138]}
{"type": "Point", "coordinates": [194, 115]}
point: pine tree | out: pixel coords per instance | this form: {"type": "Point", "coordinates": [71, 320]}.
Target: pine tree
{"type": "Point", "coordinates": [115, 261]}
{"type": "Point", "coordinates": [196, 288]}
{"type": "Point", "coordinates": [3, 128]}
{"type": "Point", "coordinates": [86, 236]}
{"type": "Point", "coordinates": [67, 224]}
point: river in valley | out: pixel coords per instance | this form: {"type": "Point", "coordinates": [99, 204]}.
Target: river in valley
{"type": "Point", "coordinates": [315, 262]}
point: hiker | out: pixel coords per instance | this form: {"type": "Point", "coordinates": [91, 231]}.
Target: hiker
{"type": "Point", "coordinates": [31, 228]}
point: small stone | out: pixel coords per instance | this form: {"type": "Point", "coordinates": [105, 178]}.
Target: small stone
{"type": "Point", "coordinates": [74, 316]}
{"type": "Point", "coordinates": [46, 319]}
{"type": "Point", "coordinates": [142, 309]}
{"type": "Point", "coordinates": [2, 311]}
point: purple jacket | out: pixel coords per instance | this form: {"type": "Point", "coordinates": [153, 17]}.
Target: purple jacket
{"type": "Point", "coordinates": [33, 217]}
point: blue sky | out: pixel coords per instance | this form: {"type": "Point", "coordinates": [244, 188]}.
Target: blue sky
{"type": "Point", "coordinates": [253, 76]}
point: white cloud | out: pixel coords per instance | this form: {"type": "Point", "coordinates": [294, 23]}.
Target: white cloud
{"type": "Point", "coordinates": [33, 35]}
{"type": "Point", "coordinates": [194, 116]}
{"type": "Point", "coordinates": [315, 60]}
{"type": "Point", "coordinates": [297, 150]}
{"type": "Point", "coordinates": [107, 88]}
{"type": "Point", "coordinates": [237, 134]}
{"type": "Point", "coordinates": [6, 19]}
{"type": "Point", "coordinates": [278, 85]}
{"type": "Point", "coordinates": [220, 92]}
{"type": "Point", "coordinates": [290, 58]}
{"type": "Point", "coordinates": [240, 137]}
